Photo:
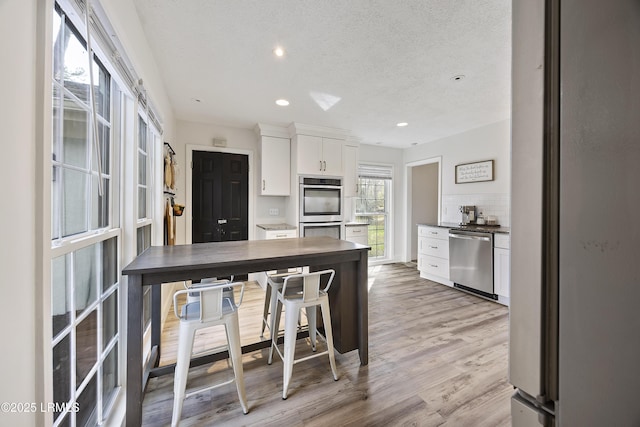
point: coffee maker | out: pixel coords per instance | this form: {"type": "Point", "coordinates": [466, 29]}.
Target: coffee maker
{"type": "Point", "coordinates": [468, 214]}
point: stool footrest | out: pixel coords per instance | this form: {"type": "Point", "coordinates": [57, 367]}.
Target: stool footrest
{"type": "Point", "coordinates": [211, 387]}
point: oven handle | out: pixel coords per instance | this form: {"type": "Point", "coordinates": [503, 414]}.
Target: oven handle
{"type": "Point", "coordinates": [330, 187]}
{"type": "Point", "coordinates": [319, 224]}
{"type": "Point", "coordinates": [467, 237]}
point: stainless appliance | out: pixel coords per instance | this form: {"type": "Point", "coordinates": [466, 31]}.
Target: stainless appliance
{"type": "Point", "coordinates": [314, 229]}
{"type": "Point", "coordinates": [471, 261]}
{"type": "Point", "coordinates": [320, 199]}
{"type": "Point", "coordinates": [574, 342]}
{"type": "Point", "coordinates": [468, 214]}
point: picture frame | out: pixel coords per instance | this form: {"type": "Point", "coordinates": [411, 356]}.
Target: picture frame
{"type": "Point", "coordinates": [474, 172]}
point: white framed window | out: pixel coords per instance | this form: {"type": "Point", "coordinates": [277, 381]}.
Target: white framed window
{"type": "Point", "coordinates": [85, 288]}
{"type": "Point", "coordinates": [373, 206]}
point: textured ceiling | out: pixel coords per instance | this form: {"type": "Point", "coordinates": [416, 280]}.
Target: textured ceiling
{"type": "Point", "coordinates": [360, 65]}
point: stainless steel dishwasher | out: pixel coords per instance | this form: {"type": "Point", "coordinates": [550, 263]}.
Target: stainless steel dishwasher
{"type": "Point", "coordinates": [471, 261]}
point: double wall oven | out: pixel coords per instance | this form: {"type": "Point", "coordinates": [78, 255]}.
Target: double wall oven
{"type": "Point", "coordinates": [321, 207]}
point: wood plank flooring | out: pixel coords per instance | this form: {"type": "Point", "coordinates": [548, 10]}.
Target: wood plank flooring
{"type": "Point", "coordinates": [437, 357]}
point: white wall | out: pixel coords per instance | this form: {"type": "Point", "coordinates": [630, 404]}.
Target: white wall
{"type": "Point", "coordinates": [20, 359]}
{"type": "Point", "coordinates": [491, 142]}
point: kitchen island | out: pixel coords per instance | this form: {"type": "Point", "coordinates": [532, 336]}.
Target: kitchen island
{"type": "Point", "coordinates": [348, 295]}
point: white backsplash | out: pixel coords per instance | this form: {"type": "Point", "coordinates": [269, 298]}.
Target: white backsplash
{"type": "Point", "coordinates": [489, 204]}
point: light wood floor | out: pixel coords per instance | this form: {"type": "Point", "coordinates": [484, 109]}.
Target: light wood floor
{"type": "Point", "coordinates": [437, 356]}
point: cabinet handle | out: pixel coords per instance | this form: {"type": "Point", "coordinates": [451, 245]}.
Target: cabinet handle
{"type": "Point", "coordinates": [433, 265]}
{"type": "Point", "coordinates": [433, 232]}
{"type": "Point", "coordinates": [320, 165]}
{"type": "Point", "coordinates": [325, 166]}
{"type": "Point", "coordinates": [263, 184]}
{"type": "Point", "coordinates": [433, 247]}
{"type": "Point", "coordinates": [356, 231]}
{"type": "Point", "coordinates": [280, 235]}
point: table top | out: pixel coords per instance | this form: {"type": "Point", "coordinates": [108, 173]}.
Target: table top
{"type": "Point", "coordinates": [245, 254]}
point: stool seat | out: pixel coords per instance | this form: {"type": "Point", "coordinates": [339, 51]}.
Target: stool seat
{"type": "Point", "coordinates": [213, 305]}
{"type": "Point", "coordinates": [305, 294]}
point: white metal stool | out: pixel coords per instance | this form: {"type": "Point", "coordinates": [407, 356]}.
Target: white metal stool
{"type": "Point", "coordinates": [215, 306]}
{"type": "Point", "coordinates": [307, 295]}
{"type": "Point", "coordinates": [275, 280]}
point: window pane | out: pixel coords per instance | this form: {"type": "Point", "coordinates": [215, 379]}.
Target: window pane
{"type": "Point", "coordinates": [104, 141]}
{"type": "Point", "coordinates": [100, 204]}
{"type": "Point", "coordinates": [62, 372]}
{"type": "Point", "coordinates": [60, 304]}
{"type": "Point", "coordinates": [86, 346]}
{"type": "Point", "coordinates": [142, 203]}
{"type": "Point", "coordinates": [76, 67]}
{"type": "Point", "coordinates": [87, 405]}
{"type": "Point", "coordinates": [142, 168]}
{"type": "Point", "coordinates": [142, 134]}
{"type": "Point", "coordinates": [85, 277]}
{"type": "Point", "coordinates": [143, 239]}
{"type": "Point", "coordinates": [102, 82]}
{"type": "Point", "coordinates": [75, 139]}
{"type": "Point", "coordinates": [74, 197]}
{"type": "Point", "coordinates": [109, 318]}
{"type": "Point", "coordinates": [109, 378]}
{"type": "Point", "coordinates": [109, 263]}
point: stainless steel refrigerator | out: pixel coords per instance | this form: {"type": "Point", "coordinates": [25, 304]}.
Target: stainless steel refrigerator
{"type": "Point", "coordinates": [574, 353]}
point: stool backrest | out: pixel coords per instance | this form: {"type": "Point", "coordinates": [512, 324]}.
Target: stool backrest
{"type": "Point", "coordinates": [215, 300]}
{"type": "Point", "coordinates": [311, 283]}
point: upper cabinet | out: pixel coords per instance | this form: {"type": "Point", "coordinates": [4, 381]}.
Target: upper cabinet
{"type": "Point", "coordinates": [276, 161]}
{"type": "Point", "coordinates": [317, 155]}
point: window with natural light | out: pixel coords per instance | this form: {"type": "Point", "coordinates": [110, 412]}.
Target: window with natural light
{"type": "Point", "coordinates": [373, 206]}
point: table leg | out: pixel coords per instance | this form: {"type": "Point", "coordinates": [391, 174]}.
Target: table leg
{"type": "Point", "coordinates": [134, 351]}
{"type": "Point", "coordinates": [363, 307]}
{"type": "Point", "coordinates": [156, 308]}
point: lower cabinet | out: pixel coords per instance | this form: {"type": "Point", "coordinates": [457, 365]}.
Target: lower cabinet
{"type": "Point", "coordinates": [501, 269]}
{"type": "Point", "coordinates": [433, 254]}
{"type": "Point", "coordinates": [268, 233]}
{"type": "Point", "coordinates": [357, 233]}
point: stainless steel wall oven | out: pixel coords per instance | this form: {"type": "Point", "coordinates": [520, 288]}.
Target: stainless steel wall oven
{"type": "Point", "coordinates": [320, 199]}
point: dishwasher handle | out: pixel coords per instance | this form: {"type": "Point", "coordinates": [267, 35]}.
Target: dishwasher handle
{"type": "Point", "coordinates": [468, 237]}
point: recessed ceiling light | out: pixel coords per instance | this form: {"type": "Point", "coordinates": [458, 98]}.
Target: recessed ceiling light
{"type": "Point", "coordinates": [457, 77]}
{"type": "Point", "coordinates": [279, 52]}
{"type": "Point", "coordinates": [402, 124]}
{"type": "Point", "coordinates": [282, 102]}
{"type": "Point", "coordinates": [414, 144]}
{"type": "Point", "coordinates": [196, 100]}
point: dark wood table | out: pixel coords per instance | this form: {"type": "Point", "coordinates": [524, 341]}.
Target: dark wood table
{"type": "Point", "coordinates": [348, 295]}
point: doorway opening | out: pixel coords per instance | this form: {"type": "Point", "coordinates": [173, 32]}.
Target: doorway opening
{"type": "Point", "coordinates": [424, 200]}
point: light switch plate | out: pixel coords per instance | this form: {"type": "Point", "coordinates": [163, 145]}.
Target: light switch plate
{"type": "Point", "coordinates": [274, 211]}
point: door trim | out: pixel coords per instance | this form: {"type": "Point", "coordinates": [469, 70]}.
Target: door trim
{"type": "Point", "coordinates": [189, 200]}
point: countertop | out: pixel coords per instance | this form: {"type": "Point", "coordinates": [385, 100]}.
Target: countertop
{"type": "Point", "coordinates": [472, 227]}
{"type": "Point", "coordinates": [281, 226]}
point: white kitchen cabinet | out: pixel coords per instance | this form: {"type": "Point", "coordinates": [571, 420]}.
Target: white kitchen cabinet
{"type": "Point", "coordinates": [268, 232]}
{"type": "Point", "coordinates": [501, 272]}
{"type": "Point", "coordinates": [350, 163]}
{"type": "Point", "coordinates": [276, 163]}
{"type": "Point", "coordinates": [433, 254]}
{"type": "Point", "coordinates": [357, 233]}
{"type": "Point", "coordinates": [318, 155]}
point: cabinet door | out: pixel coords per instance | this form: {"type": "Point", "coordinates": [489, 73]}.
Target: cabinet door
{"type": "Point", "coordinates": [275, 167]}
{"type": "Point", "coordinates": [501, 278]}
{"type": "Point", "coordinates": [332, 157]}
{"type": "Point", "coordinates": [350, 162]}
{"type": "Point", "coordinates": [309, 155]}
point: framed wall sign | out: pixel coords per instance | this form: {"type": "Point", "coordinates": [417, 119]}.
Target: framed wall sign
{"type": "Point", "coordinates": [474, 172]}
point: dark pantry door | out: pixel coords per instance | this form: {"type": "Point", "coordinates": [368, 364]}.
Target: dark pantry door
{"type": "Point", "coordinates": [220, 197]}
